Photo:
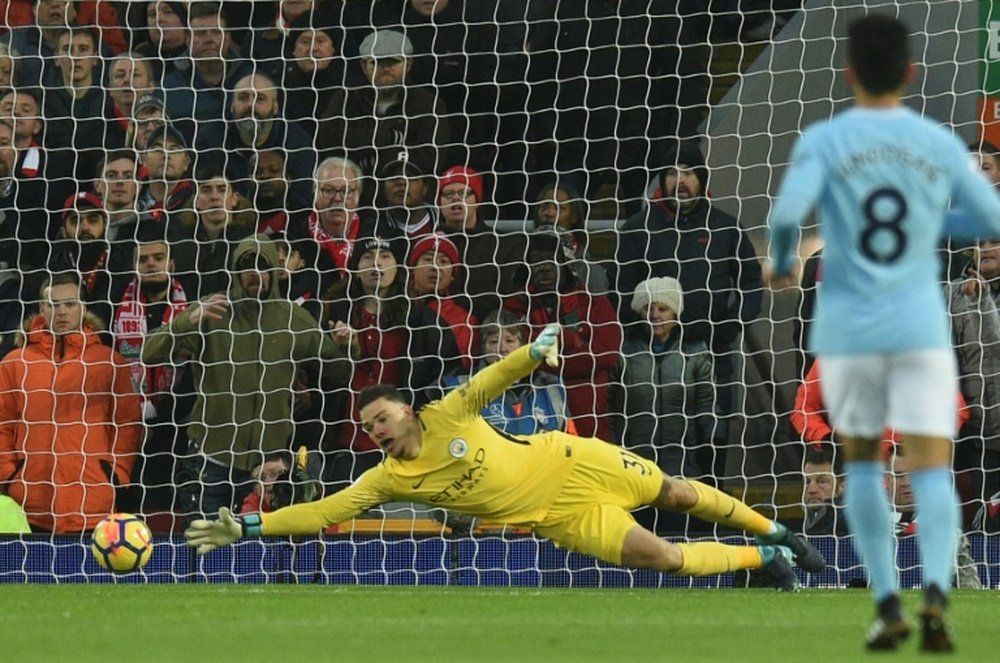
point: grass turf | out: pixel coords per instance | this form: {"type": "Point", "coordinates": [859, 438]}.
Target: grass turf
{"type": "Point", "coordinates": [348, 623]}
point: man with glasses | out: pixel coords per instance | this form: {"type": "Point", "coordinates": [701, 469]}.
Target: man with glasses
{"type": "Point", "coordinates": [334, 222]}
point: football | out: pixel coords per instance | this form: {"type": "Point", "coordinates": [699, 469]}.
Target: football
{"type": "Point", "coordinates": [121, 543]}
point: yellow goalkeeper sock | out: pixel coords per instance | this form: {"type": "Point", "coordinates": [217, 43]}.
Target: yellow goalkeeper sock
{"type": "Point", "coordinates": [717, 507]}
{"type": "Point", "coordinates": [709, 557]}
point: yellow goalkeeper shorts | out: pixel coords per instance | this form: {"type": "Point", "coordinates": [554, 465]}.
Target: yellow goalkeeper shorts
{"type": "Point", "coordinates": [591, 514]}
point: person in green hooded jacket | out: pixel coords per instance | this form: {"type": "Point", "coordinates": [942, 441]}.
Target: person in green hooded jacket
{"type": "Point", "coordinates": [245, 348]}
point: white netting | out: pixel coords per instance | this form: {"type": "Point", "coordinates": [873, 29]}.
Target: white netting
{"type": "Point", "coordinates": [194, 130]}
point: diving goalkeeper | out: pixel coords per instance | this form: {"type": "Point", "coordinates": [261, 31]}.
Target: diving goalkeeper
{"type": "Point", "coordinates": [575, 491]}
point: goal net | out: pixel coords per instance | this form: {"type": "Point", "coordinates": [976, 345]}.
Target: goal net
{"type": "Point", "coordinates": [219, 222]}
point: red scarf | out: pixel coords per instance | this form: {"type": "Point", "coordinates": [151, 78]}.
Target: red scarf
{"type": "Point", "coordinates": [90, 277]}
{"type": "Point", "coordinates": [337, 248]}
{"type": "Point", "coordinates": [130, 328]}
{"type": "Point", "coordinates": [32, 160]}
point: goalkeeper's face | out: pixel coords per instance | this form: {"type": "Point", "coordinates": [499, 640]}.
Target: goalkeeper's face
{"type": "Point", "coordinates": [393, 426]}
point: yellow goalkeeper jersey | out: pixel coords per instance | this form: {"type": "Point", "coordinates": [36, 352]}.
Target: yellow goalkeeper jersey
{"type": "Point", "coordinates": [464, 464]}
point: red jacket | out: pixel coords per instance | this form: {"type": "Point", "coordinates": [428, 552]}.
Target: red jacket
{"type": "Point", "coordinates": [591, 344]}
{"type": "Point", "coordinates": [70, 427]}
{"type": "Point", "coordinates": [810, 418]}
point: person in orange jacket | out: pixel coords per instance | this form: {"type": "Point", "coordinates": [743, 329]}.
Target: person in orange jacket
{"type": "Point", "coordinates": [70, 422]}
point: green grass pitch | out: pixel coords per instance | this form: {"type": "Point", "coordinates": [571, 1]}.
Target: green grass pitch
{"type": "Point", "coordinates": [349, 623]}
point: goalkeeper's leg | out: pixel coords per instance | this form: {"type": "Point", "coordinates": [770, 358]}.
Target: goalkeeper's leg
{"type": "Point", "coordinates": [715, 506]}
{"type": "Point", "coordinates": [644, 550]}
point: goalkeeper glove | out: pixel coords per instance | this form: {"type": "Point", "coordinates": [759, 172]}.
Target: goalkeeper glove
{"type": "Point", "coordinates": [546, 346]}
{"type": "Point", "coordinates": [207, 535]}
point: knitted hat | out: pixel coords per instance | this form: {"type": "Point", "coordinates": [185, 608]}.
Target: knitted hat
{"type": "Point", "coordinates": [686, 154]}
{"type": "Point", "coordinates": [463, 175]}
{"type": "Point", "coordinates": [318, 20]}
{"type": "Point", "coordinates": [433, 242]}
{"type": "Point", "coordinates": [663, 290]}
{"type": "Point", "coordinates": [363, 245]}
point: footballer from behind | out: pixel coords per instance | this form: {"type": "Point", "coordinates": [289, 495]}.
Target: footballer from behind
{"type": "Point", "coordinates": [577, 492]}
{"type": "Point", "coordinates": [889, 185]}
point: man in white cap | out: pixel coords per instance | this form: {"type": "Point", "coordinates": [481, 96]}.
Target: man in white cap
{"type": "Point", "coordinates": [385, 112]}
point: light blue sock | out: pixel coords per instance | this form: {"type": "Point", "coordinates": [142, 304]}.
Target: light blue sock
{"type": "Point", "coordinates": [937, 524]}
{"type": "Point", "coordinates": [870, 519]}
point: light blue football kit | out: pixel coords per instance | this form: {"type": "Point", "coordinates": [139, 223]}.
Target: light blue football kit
{"type": "Point", "coordinates": [883, 180]}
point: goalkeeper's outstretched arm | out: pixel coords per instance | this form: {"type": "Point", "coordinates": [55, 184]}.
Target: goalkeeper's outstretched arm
{"type": "Point", "coordinates": [486, 385]}
{"type": "Point", "coordinates": [305, 519]}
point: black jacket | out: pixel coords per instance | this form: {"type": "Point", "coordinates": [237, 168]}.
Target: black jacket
{"type": "Point", "coordinates": [711, 256]}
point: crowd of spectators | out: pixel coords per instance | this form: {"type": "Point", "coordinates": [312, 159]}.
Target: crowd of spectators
{"type": "Point", "coordinates": [252, 211]}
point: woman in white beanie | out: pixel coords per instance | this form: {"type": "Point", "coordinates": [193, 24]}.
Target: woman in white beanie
{"type": "Point", "coordinates": [665, 389]}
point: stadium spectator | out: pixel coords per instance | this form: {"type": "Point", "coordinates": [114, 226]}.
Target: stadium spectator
{"type": "Point", "coordinates": [559, 204]}
{"type": "Point", "coordinates": [455, 52]}
{"type": "Point", "coordinates": [974, 307]}
{"type": "Point", "coordinates": [404, 199]}
{"type": "Point", "coordinates": [281, 480]}
{"type": "Point", "coordinates": [433, 262]}
{"type": "Point", "coordinates": [812, 274]}
{"type": "Point", "coordinates": [986, 157]}
{"type": "Point", "coordinates": [721, 278]}
{"type": "Point", "coordinates": [29, 183]}
{"type": "Point", "coordinates": [275, 466]}
{"type": "Point", "coordinates": [167, 43]}
{"type": "Point", "coordinates": [83, 247]}
{"type": "Point", "coordinates": [490, 261]}
{"type": "Point", "coordinates": [148, 113]}
{"type": "Point", "coordinates": [13, 299]}
{"type": "Point", "coordinates": [196, 95]}
{"type": "Point", "coordinates": [35, 33]}
{"type": "Point", "coordinates": [128, 79]}
{"type": "Point", "coordinates": [386, 115]}
{"type": "Point", "coordinates": [823, 492]}
{"type": "Point", "coordinates": [168, 194]}
{"type": "Point", "coordinates": [76, 129]}
{"type": "Point", "coordinates": [203, 252]}
{"type": "Point", "coordinates": [904, 516]}
{"type": "Point", "coordinates": [62, 464]}
{"type": "Point", "coordinates": [267, 45]}
{"type": "Point", "coordinates": [269, 190]}
{"type": "Point", "coordinates": [314, 68]}
{"type": "Point", "coordinates": [612, 83]}
{"type": "Point", "coordinates": [390, 339]}
{"type": "Point", "coordinates": [533, 404]}
{"type": "Point", "coordinates": [591, 334]}
{"type": "Point", "coordinates": [298, 279]}
{"type": "Point", "coordinates": [117, 184]}
{"type": "Point", "coordinates": [91, 13]}
{"type": "Point", "coordinates": [152, 299]}
{"type": "Point", "coordinates": [334, 224]}
{"type": "Point", "coordinates": [663, 395]}
{"type": "Point", "coordinates": [6, 68]}
{"type": "Point", "coordinates": [256, 124]}
{"type": "Point", "coordinates": [243, 406]}
{"type": "Point", "coordinates": [22, 108]}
